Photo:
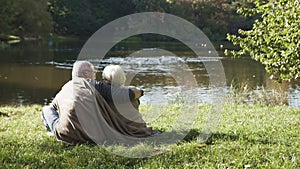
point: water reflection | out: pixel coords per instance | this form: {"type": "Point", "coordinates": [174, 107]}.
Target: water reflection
{"type": "Point", "coordinates": [294, 100]}
{"type": "Point", "coordinates": [34, 72]}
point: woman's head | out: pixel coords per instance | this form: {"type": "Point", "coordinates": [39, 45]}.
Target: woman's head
{"type": "Point", "coordinates": [114, 74]}
{"type": "Point", "coordinates": [83, 69]}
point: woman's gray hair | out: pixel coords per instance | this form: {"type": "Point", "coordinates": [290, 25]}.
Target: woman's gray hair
{"type": "Point", "coordinates": [114, 74]}
{"type": "Point", "coordinates": [80, 67]}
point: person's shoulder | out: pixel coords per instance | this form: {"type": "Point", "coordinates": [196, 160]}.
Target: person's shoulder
{"type": "Point", "coordinates": [102, 86]}
{"type": "Point", "coordinates": [70, 82]}
{"type": "Point", "coordinates": [98, 83]}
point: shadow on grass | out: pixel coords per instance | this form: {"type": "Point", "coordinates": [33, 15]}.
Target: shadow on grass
{"type": "Point", "coordinates": [194, 134]}
{"type": "Point", "coordinates": [86, 151]}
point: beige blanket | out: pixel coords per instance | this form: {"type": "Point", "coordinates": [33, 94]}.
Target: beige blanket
{"type": "Point", "coordinates": [102, 122]}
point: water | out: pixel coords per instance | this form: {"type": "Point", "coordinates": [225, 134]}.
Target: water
{"type": "Point", "coordinates": [33, 72]}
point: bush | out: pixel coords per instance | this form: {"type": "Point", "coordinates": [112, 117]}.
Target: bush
{"type": "Point", "coordinates": [273, 39]}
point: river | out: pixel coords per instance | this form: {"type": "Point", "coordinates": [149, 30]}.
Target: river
{"type": "Point", "coordinates": [33, 72]}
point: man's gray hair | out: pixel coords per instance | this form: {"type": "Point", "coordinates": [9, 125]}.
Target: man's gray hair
{"type": "Point", "coordinates": [80, 67]}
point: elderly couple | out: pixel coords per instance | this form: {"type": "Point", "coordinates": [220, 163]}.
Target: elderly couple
{"type": "Point", "coordinates": [74, 106]}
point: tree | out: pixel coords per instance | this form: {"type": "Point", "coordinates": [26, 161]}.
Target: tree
{"type": "Point", "coordinates": [273, 39]}
{"type": "Point", "coordinates": [25, 18]}
{"type": "Point", "coordinates": [214, 17]}
{"type": "Point", "coordinates": [33, 18]}
{"type": "Point", "coordinates": [8, 14]}
{"type": "Point", "coordinates": [84, 17]}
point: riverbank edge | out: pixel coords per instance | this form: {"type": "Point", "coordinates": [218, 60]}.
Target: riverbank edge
{"type": "Point", "coordinates": [7, 40]}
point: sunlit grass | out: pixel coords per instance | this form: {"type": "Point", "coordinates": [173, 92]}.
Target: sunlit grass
{"type": "Point", "coordinates": [243, 94]}
{"type": "Point", "coordinates": [247, 136]}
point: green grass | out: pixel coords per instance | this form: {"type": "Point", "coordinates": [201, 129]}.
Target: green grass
{"type": "Point", "coordinates": [247, 136]}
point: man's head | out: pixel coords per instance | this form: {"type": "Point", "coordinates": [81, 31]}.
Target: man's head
{"type": "Point", "coordinates": [114, 74]}
{"type": "Point", "coordinates": [83, 69]}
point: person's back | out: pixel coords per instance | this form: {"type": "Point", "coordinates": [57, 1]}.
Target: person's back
{"type": "Point", "coordinates": [114, 75]}
{"type": "Point", "coordinates": [68, 128]}
{"type": "Point", "coordinates": [60, 117]}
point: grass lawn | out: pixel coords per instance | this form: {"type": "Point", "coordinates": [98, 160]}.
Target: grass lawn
{"type": "Point", "coordinates": [247, 136]}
